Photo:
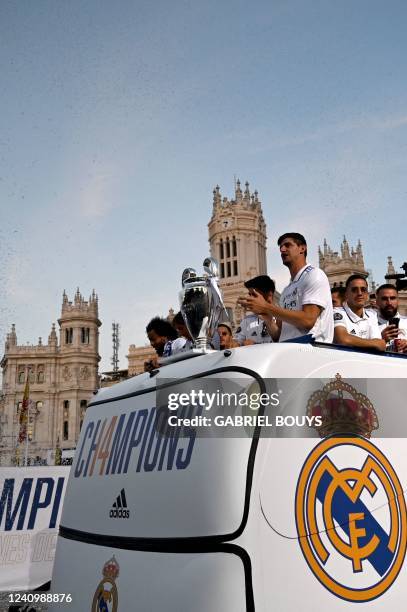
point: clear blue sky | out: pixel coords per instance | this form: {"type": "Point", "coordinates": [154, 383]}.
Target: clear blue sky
{"type": "Point", "coordinates": [117, 120]}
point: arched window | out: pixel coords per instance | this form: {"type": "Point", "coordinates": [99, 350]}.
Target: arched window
{"type": "Point", "coordinates": [227, 248]}
{"type": "Point", "coordinates": [85, 334]}
{"type": "Point", "coordinates": [83, 407]}
{"type": "Point", "coordinates": [40, 374]}
{"type": "Point", "coordinates": [234, 247]}
{"type": "Point", "coordinates": [68, 335]}
{"type": "Point", "coordinates": [65, 429]}
{"type": "Point", "coordinates": [21, 375]}
{"type": "Point", "coordinates": [221, 253]}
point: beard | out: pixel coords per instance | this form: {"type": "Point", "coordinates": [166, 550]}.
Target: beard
{"type": "Point", "coordinates": [388, 313]}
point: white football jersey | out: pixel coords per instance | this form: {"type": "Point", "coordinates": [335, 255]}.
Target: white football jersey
{"type": "Point", "coordinates": [179, 345]}
{"type": "Point", "coordinates": [252, 327]}
{"type": "Point", "coordinates": [309, 286]}
{"type": "Point", "coordinates": [366, 326]}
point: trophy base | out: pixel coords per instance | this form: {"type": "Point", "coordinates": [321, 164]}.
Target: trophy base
{"type": "Point", "coordinates": [203, 344]}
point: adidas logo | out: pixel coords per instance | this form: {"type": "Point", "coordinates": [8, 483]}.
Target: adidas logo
{"type": "Point", "coordinates": [119, 508]}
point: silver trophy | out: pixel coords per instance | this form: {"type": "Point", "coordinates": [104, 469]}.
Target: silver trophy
{"type": "Point", "coordinates": [202, 304]}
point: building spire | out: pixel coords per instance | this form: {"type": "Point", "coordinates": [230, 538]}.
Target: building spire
{"type": "Point", "coordinates": [11, 338]}
{"type": "Point", "coordinates": [217, 198]}
{"type": "Point", "coordinates": [345, 249]}
{"type": "Point", "coordinates": [52, 338]}
{"type": "Point", "coordinates": [359, 253]}
{"type": "Point", "coordinates": [246, 191]}
{"type": "Point", "coordinates": [238, 192]}
{"type": "Point", "coordinates": [390, 266]}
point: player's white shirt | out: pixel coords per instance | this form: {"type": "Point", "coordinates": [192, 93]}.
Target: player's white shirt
{"type": "Point", "coordinates": [179, 345]}
{"type": "Point", "coordinates": [366, 326]}
{"type": "Point", "coordinates": [252, 327]}
{"type": "Point", "coordinates": [402, 325]}
{"type": "Point", "coordinates": [309, 286]}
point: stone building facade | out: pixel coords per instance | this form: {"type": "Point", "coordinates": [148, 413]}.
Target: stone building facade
{"type": "Point", "coordinates": [339, 266]}
{"type": "Point", "coordinates": [63, 375]}
{"type": "Point", "coordinates": [237, 239]}
{"type": "Point", "coordinates": [137, 356]}
{"type": "Point", "coordinates": [402, 294]}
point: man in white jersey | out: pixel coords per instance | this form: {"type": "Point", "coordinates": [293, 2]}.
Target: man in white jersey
{"type": "Point", "coordinates": [354, 325]}
{"type": "Point", "coordinates": [305, 304]}
{"type": "Point", "coordinates": [252, 328]}
{"type": "Point", "coordinates": [391, 324]}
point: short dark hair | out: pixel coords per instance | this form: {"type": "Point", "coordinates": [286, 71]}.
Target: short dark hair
{"type": "Point", "coordinates": [162, 327]}
{"type": "Point", "coordinates": [353, 277]}
{"type": "Point", "coordinates": [340, 290]}
{"type": "Point", "coordinates": [298, 239]}
{"type": "Point", "coordinates": [263, 283]}
{"type": "Point", "coordinates": [386, 286]}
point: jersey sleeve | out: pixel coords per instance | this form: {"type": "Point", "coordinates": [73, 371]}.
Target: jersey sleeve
{"type": "Point", "coordinates": [241, 332]}
{"type": "Point", "coordinates": [178, 345]}
{"type": "Point", "coordinates": [316, 289]}
{"type": "Point", "coordinates": [339, 317]}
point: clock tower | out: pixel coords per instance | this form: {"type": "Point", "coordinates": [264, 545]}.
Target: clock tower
{"type": "Point", "coordinates": [237, 239]}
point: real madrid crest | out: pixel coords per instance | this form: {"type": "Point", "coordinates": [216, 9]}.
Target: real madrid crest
{"type": "Point", "coordinates": [351, 518]}
{"type": "Point", "coordinates": [106, 598]}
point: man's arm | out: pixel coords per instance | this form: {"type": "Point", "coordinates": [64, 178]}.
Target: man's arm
{"type": "Point", "coordinates": [343, 337]}
{"type": "Point", "coordinates": [273, 326]}
{"type": "Point", "coordinates": [303, 319]}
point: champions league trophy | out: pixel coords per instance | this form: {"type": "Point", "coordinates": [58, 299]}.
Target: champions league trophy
{"type": "Point", "coordinates": [202, 303]}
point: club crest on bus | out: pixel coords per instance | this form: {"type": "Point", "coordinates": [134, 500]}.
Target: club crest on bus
{"type": "Point", "coordinates": [343, 410]}
{"type": "Point", "coordinates": [106, 597]}
{"type": "Point", "coordinates": [351, 518]}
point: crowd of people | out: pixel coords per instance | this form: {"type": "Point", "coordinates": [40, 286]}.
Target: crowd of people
{"type": "Point", "coordinates": [308, 305]}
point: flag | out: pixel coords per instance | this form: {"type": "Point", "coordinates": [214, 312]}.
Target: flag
{"type": "Point", "coordinates": [24, 412]}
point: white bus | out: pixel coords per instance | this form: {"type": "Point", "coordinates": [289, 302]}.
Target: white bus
{"type": "Point", "coordinates": [300, 508]}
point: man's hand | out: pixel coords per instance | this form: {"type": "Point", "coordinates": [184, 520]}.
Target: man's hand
{"type": "Point", "coordinates": [256, 303]}
{"type": "Point", "coordinates": [402, 346]}
{"type": "Point", "coordinates": [390, 332]}
{"type": "Point", "coordinates": [151, 364]}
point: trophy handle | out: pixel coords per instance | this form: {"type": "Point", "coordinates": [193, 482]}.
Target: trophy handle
{"type": "Point", "coordinates": [211, 266]}
{"type": "Point", "coordinates": [187, 275]}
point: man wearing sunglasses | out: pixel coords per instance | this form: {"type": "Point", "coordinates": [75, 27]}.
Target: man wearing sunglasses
{"type": "Point", "coordinates": [353, 324]}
